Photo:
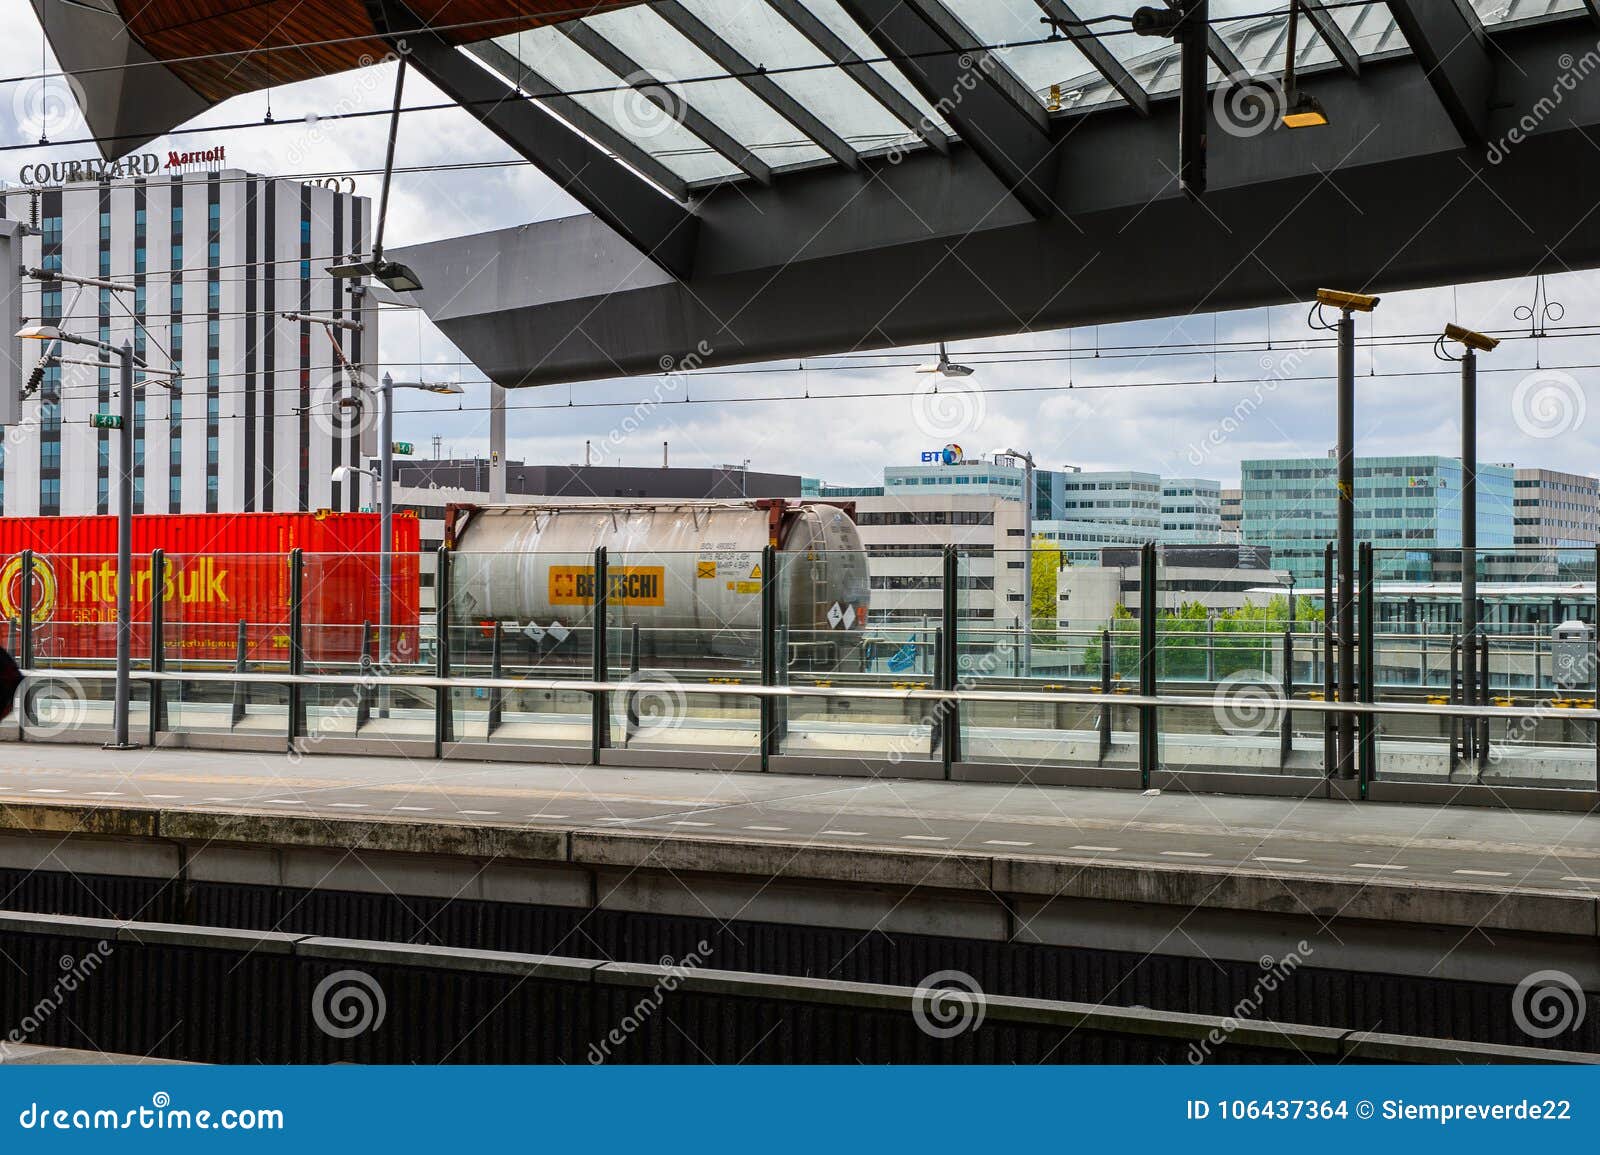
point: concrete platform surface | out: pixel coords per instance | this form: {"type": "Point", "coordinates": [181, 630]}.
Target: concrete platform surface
{"type": "Point", "coordinates": [1466, 847]}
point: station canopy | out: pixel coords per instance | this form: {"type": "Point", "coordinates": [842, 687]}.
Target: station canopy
{"type": "Point", "coordinates": [778, 178]}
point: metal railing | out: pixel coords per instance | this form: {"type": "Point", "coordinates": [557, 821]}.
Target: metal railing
{"type": "Point", "coordinates": [956, 705]}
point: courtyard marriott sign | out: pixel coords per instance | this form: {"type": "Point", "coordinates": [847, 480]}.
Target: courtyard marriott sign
{"type": "Point", "coordinates": [140, 164]}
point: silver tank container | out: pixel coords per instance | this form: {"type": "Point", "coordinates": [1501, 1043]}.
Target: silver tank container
{"type": "Point", "coordinates": [685, 568]}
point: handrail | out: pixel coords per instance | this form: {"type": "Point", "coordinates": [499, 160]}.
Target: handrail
{"type": "Point", "coordinates": [575, 685]}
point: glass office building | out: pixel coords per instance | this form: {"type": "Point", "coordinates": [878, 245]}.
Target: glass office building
{"type": "Point", "coordinates": [1407, 507]}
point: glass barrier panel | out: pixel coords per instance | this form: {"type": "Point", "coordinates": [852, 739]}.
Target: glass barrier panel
{"type": "Point", "coordinates": [519, 616]}
{"type": "Point", "coordinates": [1534, 645]}
{"type": "Point", "coordinates": [836, 626]}
{"type": "Point", "coordinates": [684, 617]}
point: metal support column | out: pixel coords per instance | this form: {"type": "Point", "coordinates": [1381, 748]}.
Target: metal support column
{"type": "Point", "coordinates": [364, 678]}
{"type": "Point", "coordinates": [497, 697]}
{"type": "Point", "coordinates": [1369, 676]}
{"type": "Point", "coordinates": [158, 642]}
{"type": "Point", "coordinates": [769, 655]}
{"type": "Point", "coordinates": [600, 721]}
{"type": "Point", "coordinates": [1330, 752]}
{"type": "Point", "coordinates": [1149, 748]}
{"type": "Point", "coordinates": [25, 655]}
{"type": "Point", "coordinates": [1286, 723]}
{"type": "Point", "coordinates": [123, 699]}
{"type": "Point", "coordinates": [949, 664]}
{"type": "Point", "coordinates": [1346, 761]}
{"type": "Point", "coordinates": [241, 665]}
{"type": "Point", "coordinates": [297, 648]}
{"type": "Point", "coordinates": [1470, 640]}
{"type": "Point", "coordinates": [1107, 659]}
{"type": "Point", "coordinates": [443, 701]}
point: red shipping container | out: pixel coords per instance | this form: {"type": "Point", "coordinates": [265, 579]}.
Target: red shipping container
{"type": "Point", "coordinates": [221, 569]}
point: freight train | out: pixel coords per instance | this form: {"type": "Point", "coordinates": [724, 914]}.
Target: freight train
{"type": "Point", "coordinates": [223, 571]}
{"type": "Point", "coordinates": [686, 573]}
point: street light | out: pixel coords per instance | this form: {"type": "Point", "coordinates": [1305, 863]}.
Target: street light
{"type": "Point", "coordinates": [1472, 344]}
{"type": "Point", "coordinates": [945, 367]}
{"type": "Point", "coordinates": [383, 478]}
{"type": "Point", "coordinates": [1348, 305]}
{"type": "Point", "coordinates": [124, 353]}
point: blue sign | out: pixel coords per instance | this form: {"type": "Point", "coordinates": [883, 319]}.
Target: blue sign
{"type": "Point", "coordinates": [950, 455]}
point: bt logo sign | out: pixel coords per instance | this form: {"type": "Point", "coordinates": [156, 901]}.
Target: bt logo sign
{"type": "Point", "coordinates": [949, 455]}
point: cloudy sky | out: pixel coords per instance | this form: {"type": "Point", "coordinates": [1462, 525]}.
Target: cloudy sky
{"type": "Point", "coordinates": [1134, 406]}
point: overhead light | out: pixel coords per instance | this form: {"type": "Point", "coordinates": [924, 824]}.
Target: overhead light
{"type": "Point", "coordinates": [1304, 111]}
{"type": "Point", "coordinates": [1355, 302]}
{"type": "Point", "coordinates": [39, 333]}
{"type": "Point", "coordinates": [1481, 342]}
{"type": "Point", "coordinates": [392, 274]}
{"type": "Point", "coordinates": [344, 473]}
{"type": "Point", "coordinates": [945, 367]}
{"type": "Point", "coordinates": [448, 387]}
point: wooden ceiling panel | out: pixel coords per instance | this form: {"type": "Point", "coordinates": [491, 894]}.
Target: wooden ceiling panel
{"type": "Point", "coordinates": [256, 44]}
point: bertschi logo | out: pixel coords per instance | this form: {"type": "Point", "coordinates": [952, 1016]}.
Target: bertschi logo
{"type": "Point", "coordinates": [44, 589]}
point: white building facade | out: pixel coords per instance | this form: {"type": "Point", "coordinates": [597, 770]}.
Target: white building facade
{"type": "Point", "coordinates": [214, 259]}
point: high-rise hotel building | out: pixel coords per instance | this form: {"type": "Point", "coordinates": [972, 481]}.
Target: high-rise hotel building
{"type": "Point", "coordinates": [214, 259]}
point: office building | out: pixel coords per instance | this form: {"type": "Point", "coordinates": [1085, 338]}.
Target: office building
{"type": "Point", "coordinates": [1231, 514]}
{"type": "Point", "coordinates": [1191, 511]}
{"type": "Point", "coordinates": [1408, 507]}
{"type": "Point", "coordinates": [905, 534]}
{"type": "Point", "coordinates": [1554, 510]}
{"type": "Point", "coordinates": [213, 259]}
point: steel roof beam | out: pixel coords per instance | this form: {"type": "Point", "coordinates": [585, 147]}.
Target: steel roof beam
{"type": "Point", "coordinates": [826, 41]}
{"type": "Point", "coordinates": [1450, 45]}
{"type": "Point", "coordinates": [1332, 35]}
{"type": "Point", "coordinates": [1066, 21]}
{"type": "Point", "coordinates": [993, 113]}
{"type": "Point", "coordinates": [659, 94]}
{"type": "Point", "coordinates": [1594, 9]}
{"type": "Point", "coordinates": [652, 222]}
{"type": "Point", "coordinates": [776, 97]}
{"type": "Point", "coordinates": [1222, 55]}
{"type": "Point", "coordinates": [575, 114]}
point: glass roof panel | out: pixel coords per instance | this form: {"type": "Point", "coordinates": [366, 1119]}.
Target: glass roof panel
{"type": "Point", "coordinates": [668, 55]}
{"type": "Point", "coordinates": [601, 91]}
{"type": "Point", "coordinates": [1493, 12]}
{"type": "Point", "coordinates": [846, 29]}
{"type": "Point", "coordinates": [1017, 24]}
{"type": "Point", "coordinates": [769, 41]}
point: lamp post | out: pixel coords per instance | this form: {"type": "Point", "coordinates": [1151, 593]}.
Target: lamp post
{"type": "Point", "coordinates": [1472, 344]}
{"type": "Point", "coordinates": [1348, 305]}
{"type": "Point", "coordinates": [123, 692]}
{"type": "Point", "coordinates": [383, 482]}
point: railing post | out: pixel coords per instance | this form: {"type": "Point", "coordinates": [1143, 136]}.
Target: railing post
{"type": "Point", "coordinates": [1286, 723]}
{"type": "Point", "coordinates": [630, 707]}
{"type": "Point", "coordinates": [297, 648]}
{"type": "Point", "coordinates": [600, 722]}
{"type": "Point", "coordinates": [781, 718]}
{"type": "Point", "coordinates": [1330, 756]}
{"type": "Point", "coordinates": [444, 728]}
{"type": "Point", "coordinates": [949, 663]}
{"type": "Point", "coordinates": [1485, 697]}
{"type": "Point", "coordinates": [768, 707]}
{"type": "Point", "coordinates": [158, 643]}
{"type": "Point", "coordinates": [497, 696]}
{"type": "Point", "coordinates": [1149, 733]}
{"type": "Point", "coordinates": [241, 665]}
{"type": "Point", "coordinates": [1366, 617]}
{"type": "Point", "coordinates": [1457, 747]}
{"type": "Point", "coordinates": [1106, 661]}
{"type": "Point", "coordinates": [364, 676]}
{"type": "Point", "coordinates": [25, 658]}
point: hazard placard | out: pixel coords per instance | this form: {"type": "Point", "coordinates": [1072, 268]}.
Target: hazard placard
{"type": "Point", "coordinates": [705, 569]}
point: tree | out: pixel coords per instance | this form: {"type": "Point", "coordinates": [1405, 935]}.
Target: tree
{"type": "Point", "coordinates": [1045, 582]}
